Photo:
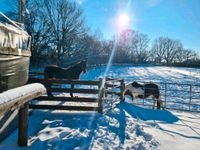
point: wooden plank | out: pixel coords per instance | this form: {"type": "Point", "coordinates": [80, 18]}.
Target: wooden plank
{"type": "Point", "coordinates": [67, 99]}
{"type": "Point", "coordinates": [35, 80]}
{"type": "Point", "coordinates": [112, 92]}
{"type": "Point", "coordinates": [23, 126]}
{"type": "Point", "coordinates": [112, 85]}
{"type": "Point", "coordinates": [36, 73]}
{"type": "Point", "coordinates": [113, 79]}
{"type": "Point", "coordinates": [80, 82]}
{"type": "Point", "coordinates": [65, 81]}
{"type": "Point", "coordinates": [67, 90]}
{"type": "Point", "coordinates": [100, 105]}
{"type": "Point", "coordinates": [56, 107]}
{"type": "Point", "coordinates": [8, 123]}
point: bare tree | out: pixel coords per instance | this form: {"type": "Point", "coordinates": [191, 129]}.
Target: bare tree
{"type": "Point", "coordinates": [172, 49]}
{"type": "Point", "coordinates": [158, 50]}
{"type": "Point", "coordinates": [185, 56]}
{"type": "Point", "coordinates": [133, 45]}
{"type": "Point", "coordinates": [97, 49]}
{"type": "Point", "coordinates": [36, 25]}
{"type": "Point", "coordinates": [166, 49]}
{"type": "Point", "coordinates": [67, 26]}
{"type": "Point", "coordinates": [141, 47]}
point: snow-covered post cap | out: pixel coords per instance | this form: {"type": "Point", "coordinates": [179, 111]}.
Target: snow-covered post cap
{"type": "Point", "coordinates": [16, 97]}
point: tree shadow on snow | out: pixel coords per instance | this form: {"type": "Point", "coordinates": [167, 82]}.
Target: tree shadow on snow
{"type": "Point", "coordinates": [60, 130]}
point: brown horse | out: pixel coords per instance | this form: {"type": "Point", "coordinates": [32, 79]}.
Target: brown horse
{"type": "Point", "coordinates": [72, 72]}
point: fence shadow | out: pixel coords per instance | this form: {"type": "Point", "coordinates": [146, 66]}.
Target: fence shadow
{"type": "Point", "coordinates": [149, 114]}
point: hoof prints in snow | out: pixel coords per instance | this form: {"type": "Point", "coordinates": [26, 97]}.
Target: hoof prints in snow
{"type": "Point", "coordinates": [118, 130]}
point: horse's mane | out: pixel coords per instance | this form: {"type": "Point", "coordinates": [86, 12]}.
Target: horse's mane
{"type": "Point", "coordinates": [74, 65]}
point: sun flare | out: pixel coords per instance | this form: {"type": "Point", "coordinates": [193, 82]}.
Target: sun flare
{"type": "Point", "coordinates": [123, 19]}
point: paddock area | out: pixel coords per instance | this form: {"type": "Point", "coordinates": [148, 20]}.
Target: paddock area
{"type": "Point", "coordinates": [91, 95]}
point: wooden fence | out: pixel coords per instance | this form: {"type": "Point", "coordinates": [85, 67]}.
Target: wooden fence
{"type": "Point", "coordinates": [177, 96]}
{"type": "Point", "coordinates": [115, 86]}
{"type": "Point", "coordinates": [95, 87]}
{"type": "Point", "coordinates": [16, 101]}
{"type": "Point", "coordinates": [91, 91]}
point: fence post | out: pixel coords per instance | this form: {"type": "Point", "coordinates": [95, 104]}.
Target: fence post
{"type": "Point", "coordinates": [23, 125]}
{"type": "Point", "coordinates": [190, 97]}
{"type": "Point", "coordinates": [122, 88]}
{"type": "Point", "coordinates": [143, 94]}
{"type": "Point", "coordinates": [105, 87]}
{"type": "Point", "coordinates": [101, 95]}
{"type": "Point", "coordinates": [165, 95]}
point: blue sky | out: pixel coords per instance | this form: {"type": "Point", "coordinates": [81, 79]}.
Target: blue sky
{"type": "Point", "coordinates": [177, 19]}
{"type": "Point", "coordinates": [3, 6]}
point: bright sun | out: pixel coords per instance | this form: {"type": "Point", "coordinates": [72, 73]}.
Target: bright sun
{"type": "Point", "coordinates": [124, 20]}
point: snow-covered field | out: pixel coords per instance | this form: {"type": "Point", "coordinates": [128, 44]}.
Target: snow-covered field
{"type": "Point", "coordinates": [148, 73]}
{"type": "Point", "coordinates": [126, 126]}
{"type": "Point", "coordinates": [177, 84]}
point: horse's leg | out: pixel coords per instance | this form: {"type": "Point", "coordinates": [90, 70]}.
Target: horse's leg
{"type": "Point", "coordinates": [49, 93]}
{"type": "Point", "coordinates": [154, 102]}
{"type": "Point", "coordinates": [134, 99]}
{"type": "Point", "coordinates": [72, 88]}
{"type": "Point", "coordinates": [48, 87]}
{"type": "Point", "coordinates": [160, 103]}
{"type": "Point", "coordinates": [48, 90]}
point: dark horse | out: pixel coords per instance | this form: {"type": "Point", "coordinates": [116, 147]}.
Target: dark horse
{"type": "Point", "coordinates": [135, 90]}
{"type": "Point", "coordinates": [72, 72]}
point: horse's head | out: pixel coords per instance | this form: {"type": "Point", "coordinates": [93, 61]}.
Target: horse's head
{"type": "Point", "coordinates": [83, 65]}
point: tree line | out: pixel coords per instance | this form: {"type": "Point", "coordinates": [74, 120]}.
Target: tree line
{"type": "Point", "coordinates": [60, 36]}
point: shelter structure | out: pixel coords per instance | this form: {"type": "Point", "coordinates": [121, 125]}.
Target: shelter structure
{"type": "Point", "coordinates": [14, 55]}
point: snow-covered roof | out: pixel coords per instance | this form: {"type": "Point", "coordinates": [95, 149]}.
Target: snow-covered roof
{"type": "Point", "coordinates": [13, 36]}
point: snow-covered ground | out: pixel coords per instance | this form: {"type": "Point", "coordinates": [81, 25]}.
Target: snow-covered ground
{"type": "Point", "coordinates": [125, 126]}
{"type": "Point", "coordinates": [177, 88]}
{"type": "Point", "coordinates": [148, 73]}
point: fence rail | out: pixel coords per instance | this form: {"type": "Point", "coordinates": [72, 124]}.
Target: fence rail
{"type": "Point", "coordinates": [91, 88]}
